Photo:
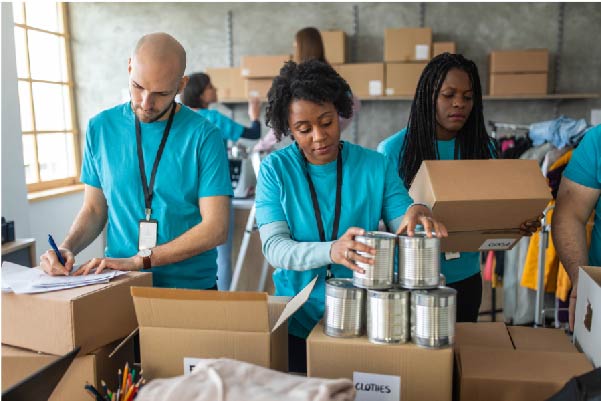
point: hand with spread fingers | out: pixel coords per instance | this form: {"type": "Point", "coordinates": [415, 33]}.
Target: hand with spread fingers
{"type": "Point", "coordinates": [530, 227]}
{"type": "Point", "coordinates": [51, 265]}
{"type": "Point", "coordinates": [344, 250]}
{"type": "Point", "coordinates": [98, 265]}
{"type": "Point", "coordinates": [420, 214]}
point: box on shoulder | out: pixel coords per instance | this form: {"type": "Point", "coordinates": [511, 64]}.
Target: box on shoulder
{"type": "Point", "coordinates": [57, 322]}
{"type": "Point", "coordinates": [481, 202]}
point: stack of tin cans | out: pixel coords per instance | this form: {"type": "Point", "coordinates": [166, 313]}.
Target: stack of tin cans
{"type": "Point", "coordinates": [417, 306]}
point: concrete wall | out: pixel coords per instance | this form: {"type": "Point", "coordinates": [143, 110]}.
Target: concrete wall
{"type": "Point", "coordinates": [104, 33]}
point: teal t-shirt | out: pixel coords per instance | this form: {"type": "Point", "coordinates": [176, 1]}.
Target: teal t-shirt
{"type": "Point", "coordinates": [193, 166]}
{"type": "Point", "coordinates": [230, 130]}
{"type": "Point", "coordinates": [371, 190]}
{"type": "Point", "coordinates": [468, 263]}
{"type": "Point", "coordinates": [584, 168]}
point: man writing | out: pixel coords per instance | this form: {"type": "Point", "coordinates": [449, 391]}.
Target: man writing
{"type": "Point", "coordinates": [156, 171]}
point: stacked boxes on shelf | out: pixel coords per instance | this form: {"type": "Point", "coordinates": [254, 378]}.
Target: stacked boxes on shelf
{"type": "Point", "coordinates": [519, 72]}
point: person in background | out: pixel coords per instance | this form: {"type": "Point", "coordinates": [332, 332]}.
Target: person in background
{"type": "Point", "coordinates": [157, 173]}
{"type": "Point", "coordinates": [315, 195]}
{"type": "Point", "coordinates": [198, 94]}
{"type": "Point", "coordinates": [307, 45]}
{"type": "Point", "coordinates": [446, 122]}
{"type": "Point", "coordinates": [578, 196]}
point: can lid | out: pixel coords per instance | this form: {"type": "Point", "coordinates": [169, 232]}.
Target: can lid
{"type": "Point", "coordinates": [341, 283]}
{"type": "Point", "coordinates": [441, 296]}
{"type": "Point", "coordinates": [392, 293]}
{"type": "Point", "coordinates": [343, 288]}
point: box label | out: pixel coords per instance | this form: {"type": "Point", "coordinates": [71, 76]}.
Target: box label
{"type": "Point", "coordinates": [389, 91]}
{"type": "Point", "coordinates": [375, 88]}
{"type": "Point", "coordinates": [245, 72]}
{"type": "Point", "coordinates": [373, 387]}
{"type": "Point", "coordinates": [190, 364]}
{"type": "Point", "coordinates": [422, 52]}
{"type": "Point", "coordinates": [497, 244]}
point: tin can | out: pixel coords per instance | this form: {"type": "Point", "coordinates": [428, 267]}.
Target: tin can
{"type": "Point", "coordinates": [433, 317]}
{"type": "Point", "coordinates": [388, 318]}
{"type": "Point", "coordinates": [345, 308]}
{"type": "Point", "coordinates": [380, 275]}
{"type": "Point", "coordinates": [419, 262]}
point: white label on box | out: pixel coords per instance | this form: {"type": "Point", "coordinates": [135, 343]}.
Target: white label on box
{"type": "Point", "coordinates": [452, 255]}
{"type": "Point", "coordinates": [190, 364]}
{"type": "Point", "coordinates": [373, 387]}
{"type": "Point", "coordinates": [389, 91]}
{"type": "Point", "coordinates": [422, 52]}
{"type": "Point", "coordinates": [375, 88]}
{"type": "Point", "coordinates": [245, 72]}
{"type": "Point", "coordinates": [497, 244]}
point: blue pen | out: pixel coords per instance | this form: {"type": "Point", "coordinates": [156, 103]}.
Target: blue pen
{"type": "Point", "coordinates": [55, 249]}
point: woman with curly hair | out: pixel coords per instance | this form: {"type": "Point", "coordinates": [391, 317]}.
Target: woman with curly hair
{"type": "Point", "coordinates": [315, 195]}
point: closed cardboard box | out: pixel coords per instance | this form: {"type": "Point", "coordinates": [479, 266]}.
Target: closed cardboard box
{"type": "Point", "coordinates": [18, 363]}
{"type": "Point", "coordinates": [263, 66]}
{"type": "Point", "coordinates": [587, 324]}
{"type": "Point", "coordinates": [257, 87]}
{"type": "Point", "coordinates": [518, 84]}
{"type": "Point", "coordinates": [334, 43]}
{"type": "Point", "coordinates": [229, 82]}
{"type": "Point", "coordinates": [422, 374]}
{"type": "Point", "coordinates": [365, 79]}
{"type": "Point", "coordinates": [179, 326]}
{"type": "Point", "coordinates": [443, 47]}
{"type": "Point", "coordinates": [402, 78]}
{"type": "Point", "coordinates": [536, 366]}
{"type": "Point", "coordinates": [57, 322]}
{"type": "Point", "coordinates": [529, 60]}
{"type": "Point", "coordinates": [481, 202]}
{"type": "Point", "coordinates": [407, 44]}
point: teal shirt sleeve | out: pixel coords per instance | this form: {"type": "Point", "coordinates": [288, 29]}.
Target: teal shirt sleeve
{"type": "Point", "coordinates": [396, 196]}
{"type": "Point", "coordinates": [230, 130]}
{"type": "Point", "coordinates": [267, 195]}
{"type": "Point", "coordinates": [584, 167]}
{"type": "Point", "coordinates": [89, 172]}
{"type": "Point", "coordinates": [214, 174]}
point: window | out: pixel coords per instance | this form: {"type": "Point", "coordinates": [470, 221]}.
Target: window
{"type": "Point", "coordinates": [48, 120]}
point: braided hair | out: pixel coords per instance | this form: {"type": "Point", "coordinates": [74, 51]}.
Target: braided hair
{"type": "Point", "coordinates": [196, 86]}
{"type": "Point", "coordinates": [472, 141]}
{"type": "Point", "coordinates": [313, 81]}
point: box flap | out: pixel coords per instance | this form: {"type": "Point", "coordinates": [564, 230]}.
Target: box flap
{"type": "Point", "coordinates": [207, 310]}
{"type": "Point", "coordinates": [492, 335]}
{"type": "Point", "coordinates": [540, 339]}
{"type": "Point", "coordinates": [295, 303]}
{"type": "Point", "coordinates": [587, 324]}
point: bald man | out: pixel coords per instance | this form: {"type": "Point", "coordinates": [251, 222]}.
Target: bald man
{"type": "Point", "coordinates": [156, 172]}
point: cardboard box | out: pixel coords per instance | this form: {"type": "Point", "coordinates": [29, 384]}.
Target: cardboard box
{"type": "Point", "coordinates": [587, 324]}
{"type": "Point", "coordinates": [257, 87]}
{"type": "Point", "coordinates": [443, 47]}
{"type": "Point", "coordinates": [18, 363]}
{"type": "Point", "coordinates": [365, 79]}
{"type": "Point", "coordinates": [263, 66]}
{"type": "Point", "coordinates": [402, 78]}
{"type": "Point", "coordinates": [424, 374]}
{"type": "Point", "coordinates": [481, 202]}
{"type": "Point", "coordinates": [510, 61]}
{"type": "Point", "coordinates": [59, 321]}
{"type": "Point", "coordinates": [407, 44]}
{"type": "Point", "coordinates": [229, 82]}
{"type": "Point", "coordinates": [518, 84]}
{"type": "Point", "coordinates": [536, 366]}
{"type": "Point", "coordinates": [334, 43]}
{"type": "Point", "coordinates": [178, 326]}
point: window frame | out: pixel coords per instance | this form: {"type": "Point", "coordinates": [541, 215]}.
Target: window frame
{"type": "Point", "coordinates": [45, 185]}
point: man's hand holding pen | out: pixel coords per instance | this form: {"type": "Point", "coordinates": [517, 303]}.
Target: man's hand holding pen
{"type": "Point", "coordinates": [50, 263]}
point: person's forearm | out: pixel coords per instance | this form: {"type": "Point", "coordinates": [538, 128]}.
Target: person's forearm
{"type": "Point", "coordinates": [569, 237]}
{"type": "Point", "coordinates": [200, 238]}
{"type": "Point", "coordinates": [283, 252]}
{"type": "Point", "coordinates": [87, 226]}
{"type": "Point", "coordinates": [252, 132]}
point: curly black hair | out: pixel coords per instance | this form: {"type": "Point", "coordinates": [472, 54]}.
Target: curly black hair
{"type": "Point", "coordinates": [472, 140]}
{"type": "Point", "coordinates": [312, 80]}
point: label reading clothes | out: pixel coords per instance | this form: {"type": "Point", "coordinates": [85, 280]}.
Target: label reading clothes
{"type": "Point", "coordinates": [373, 387]}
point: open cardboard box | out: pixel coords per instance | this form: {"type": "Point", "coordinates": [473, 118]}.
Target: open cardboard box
{"type": "Point", "coordinates": [481, 202]}
{"type": "Point", "coordinates": [178, 326]}
{"type": "Point", "coordinates": [587, 323]}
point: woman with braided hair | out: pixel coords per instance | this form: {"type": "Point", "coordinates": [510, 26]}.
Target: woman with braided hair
{"type": "Point", "coordinates": [315, 195]}
{"type": "Point", "coordinates": [446, 122]}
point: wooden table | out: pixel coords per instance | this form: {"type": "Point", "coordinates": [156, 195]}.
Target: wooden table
{"type": "Point", "coordinates": [20, 251]}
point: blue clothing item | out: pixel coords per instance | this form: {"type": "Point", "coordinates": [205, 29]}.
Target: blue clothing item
{"type": "Point", "coordinates": [193, 166]}
{"type": "Point", "coordinates": [468, 263]}
{"type": "Point", "coordinates": [371, 190]}
{"type": "Point", "coordinates": [560, 132]}
{"type": "Point", "coordinates": [584, 168]}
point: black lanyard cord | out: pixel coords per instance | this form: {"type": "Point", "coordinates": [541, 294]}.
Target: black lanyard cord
{"type": "Point", "coordinates": [148, 187]}
{"type": "Point", "coordinates": [337, 207]}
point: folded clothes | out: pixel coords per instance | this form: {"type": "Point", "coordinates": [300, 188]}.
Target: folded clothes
{"type": "Point", "coordinates": [560, 132]}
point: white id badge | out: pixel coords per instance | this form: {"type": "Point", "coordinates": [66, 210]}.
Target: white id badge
{"type": "Point", "coordinates": [147, 237]}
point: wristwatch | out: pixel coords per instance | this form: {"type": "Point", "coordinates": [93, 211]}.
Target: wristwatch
{"type": "Point", "coordinates": [145, 255]}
